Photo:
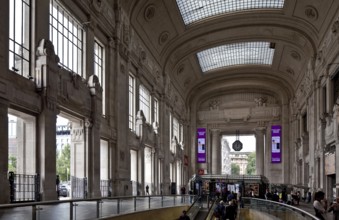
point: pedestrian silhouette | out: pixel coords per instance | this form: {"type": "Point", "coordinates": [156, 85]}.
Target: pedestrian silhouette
{"type": "Point", "coordinates": [147, 188]}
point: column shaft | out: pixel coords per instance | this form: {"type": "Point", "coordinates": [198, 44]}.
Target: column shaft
{"type": "Point", "coordinates": [260, 143]}
{"type": "Point", "coordinates": [4, 183]}
{"type": "Point", "coordinates": [216, 152]}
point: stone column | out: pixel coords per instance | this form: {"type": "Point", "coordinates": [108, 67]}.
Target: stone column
{"type": "Point", "coordinates": [93, 143]}
{"type": "Point", "coordinates": [329, 95]}
{"type": "Point", "coordinates": [4, 195]}
{"type": "Point", "coordinates": [216, 152]}
{"type": "Point", "coordinates": [336, 134]}
{"type": "Point", "coordinates": [47, 84]}
{"type": "Point", "coordinates": [4, 88]}
{"type": "Point", "coordinates": [141, 171]}
{"type": "Point", "coordinates": [285, 148]}
{"type": "Point", "coordinates": [153, 172]}
{"type": "Point", "coordinates": [260, 144]}
{"type": "Point", "coordinates": [267, 154]}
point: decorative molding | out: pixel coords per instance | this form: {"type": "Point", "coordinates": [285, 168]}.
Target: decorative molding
{"type": "Point", "coordinates": [142, 56]}
{"type": "Point", "coordinates": [311, 13]}
{"type": "Point", "coordinates": [88, 123]}
{"type": "Point", "coordinates": [243, 114]}
{"type": "Point", "coordinates": [180, 69]}
{"type": "Point", "coordinates": [290, 71]}
{"type": "Point", "coordinates": [295, 55]}
{"type": "Point", "coordinates": [149, 12]}
{"type": "Point", "coordinates": [126, 33]}
{"type": "Point", "coordinates": [46, 48]}
{"type": "Point", "coordinates": [214, 104]}
{"type": "Point", "coordinates": [261, 101]}
{"type": "Point", "coordinates": [124, 52]}
{"type": "Point", "coordinates": [163, 37]}
{"type": "Point", "coordinates": [97, 5]}
{"type": "Point", "coordinates": [335, 27]}
{"type": "Point", "coordinates": [77, 134]}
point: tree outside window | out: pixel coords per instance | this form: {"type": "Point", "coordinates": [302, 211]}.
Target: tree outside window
{"type": "Point", "coordinates": [64, 162]}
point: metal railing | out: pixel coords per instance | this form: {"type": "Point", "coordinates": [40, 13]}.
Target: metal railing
{"type": "Point", "coordinates": [106, 188]}
{"type": "Point", "coordinates": [23, 187]}
{"type": "Point", "coordinates": [81, 209]}
{"type": "Point", "coordinates": [79, 187]}
{"type": "Point", "coordinates": [277, 209]}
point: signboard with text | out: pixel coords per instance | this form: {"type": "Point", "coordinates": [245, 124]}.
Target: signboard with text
{"type": "Point", "coordinates": [201, 146]}
{"type": "Point", "coordinates": [276, 144]}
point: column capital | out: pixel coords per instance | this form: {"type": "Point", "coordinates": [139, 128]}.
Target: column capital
{"type": "Point", "coordinates": [215, 130]}
{"type": "Point", "coordinates": [259, 130]}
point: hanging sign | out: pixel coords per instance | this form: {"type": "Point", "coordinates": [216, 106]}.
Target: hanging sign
{"type": "Point", "coordinates": [276, 144]}
{"type": "Point", "coordinates": [201, 145]}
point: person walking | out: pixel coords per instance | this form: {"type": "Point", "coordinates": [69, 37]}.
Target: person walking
{"type": "Point", "coordinates": [147, 190]}
{"type": "Point", "coordinates": [320, 205]}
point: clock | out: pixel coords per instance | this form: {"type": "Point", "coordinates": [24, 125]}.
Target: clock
{"type": "Point", "coordinates": [237, 145]}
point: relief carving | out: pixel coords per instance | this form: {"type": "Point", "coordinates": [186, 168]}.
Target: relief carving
{"type": "Point", "coordinates": [214, 104]}
{"type": "Point", "coordinates": [180, 69]}
{"type": "Point", "coordinates": [311, 13]}
{"type": "Point", "coordinates": [149, 12]}
{"type": "Point", "coordinates": [77, 134]}
{"type": "Point", "coordinates": [244, 114]}
{"type": "Point", "coordinates": [261, 101]}
{"type": "Point", "coordinates": [46, 48]}
{"type": "Point", "coordinates": [97, 5]}
{"type": "Point", "coordinates": [126, 34]}
{"type": "Point", "coordinates": [163, 37]}
{"type": "Point", "coordinates": [335, 27]}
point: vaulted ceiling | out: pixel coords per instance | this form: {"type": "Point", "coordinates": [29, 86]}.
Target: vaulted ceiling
{"type": "Point", "coordinates": [294, 32]}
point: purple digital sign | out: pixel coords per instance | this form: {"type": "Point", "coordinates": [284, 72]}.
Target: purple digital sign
{"type": "Point", "coordinates": [201, 140]}
{"type": "Point", "coordinates": [276, 143]}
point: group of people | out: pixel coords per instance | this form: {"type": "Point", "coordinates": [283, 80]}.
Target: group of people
{"type": "Point", "coordinates": [321, 207]}
{"type": "Point", "coordinates": [225, 211]}
{"type": "Point", "coordinates": [292, 198]}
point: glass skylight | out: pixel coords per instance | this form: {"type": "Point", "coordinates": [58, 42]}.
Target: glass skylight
{"type": "Point", "coordinates": [195, 10]}
{"type": "Point", "coordinates": [244, 53]}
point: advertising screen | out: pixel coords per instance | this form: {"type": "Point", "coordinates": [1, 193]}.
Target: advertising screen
{"type": "Point", "coordinates": [276, 143]}
{"type": "Point", "coordinates": [201, 145]}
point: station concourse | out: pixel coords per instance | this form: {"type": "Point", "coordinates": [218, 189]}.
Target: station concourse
{"type": "Point", "coordinates": [149, 88]}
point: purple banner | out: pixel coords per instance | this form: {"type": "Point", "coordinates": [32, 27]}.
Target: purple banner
{"type": "Point", "coordinates": [201, 140]}
{"type": "Point", "coordinates": [276, 143]}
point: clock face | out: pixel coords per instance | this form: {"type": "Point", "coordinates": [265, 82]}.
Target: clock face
{"type": "Point", "coordinates": [237, 145]}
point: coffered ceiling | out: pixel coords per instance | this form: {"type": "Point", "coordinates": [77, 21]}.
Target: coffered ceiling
{"type": "Point", "coordinates": [248, 46]}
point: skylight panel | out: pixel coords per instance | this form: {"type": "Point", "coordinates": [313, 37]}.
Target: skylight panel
{"type": "Point", "coordinates": [196, 10]}
{"type": "Point", "coordinates": [244, 53]}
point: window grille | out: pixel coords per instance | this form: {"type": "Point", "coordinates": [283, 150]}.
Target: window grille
{"type": "Point", "coordinates": [243, 53]}
{"type": "Point", "coordinates": [19, 36]}
{"type": "Point", "coordinates": [144, 102]}
{"type": "Point", "coordinates": [67, 35]}
{"type": "Point", "coordinates": [131, 99]}
{"type": "Point", "coordinates": [196, 10]}
{"type": "Point", "coordinates": [156, 110]}
{"type": "Point", "coordinates": [99, 70]}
